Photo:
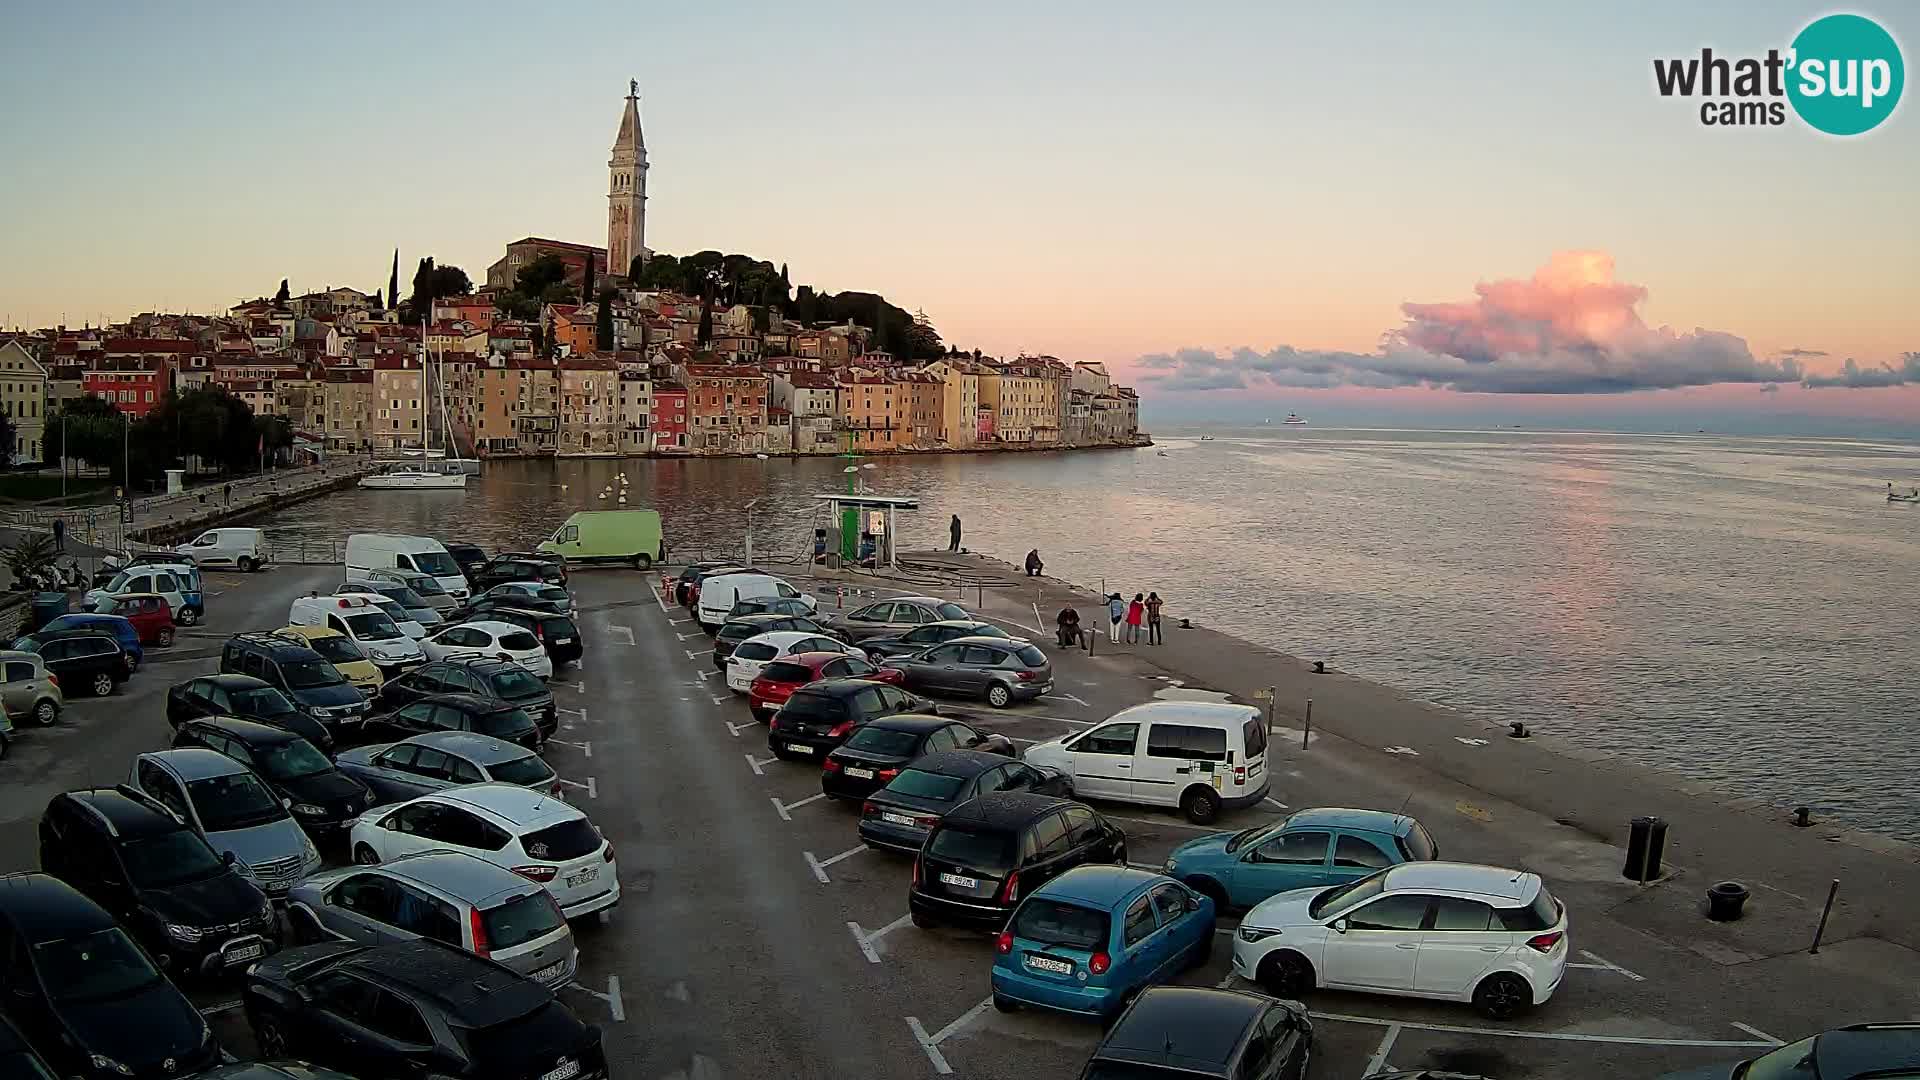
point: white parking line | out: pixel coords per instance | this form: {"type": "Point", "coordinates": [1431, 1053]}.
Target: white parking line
{"type": "Point", "coordinates": [579, 687]}
{"type": "Point", "coordinates": [684, 637]}
{"type": "Point", "coordinates": [860, 939]}
{"type": "Point", "coordinates": [734, 729]}
{"type": "Point", "coordinates": [819, 866]}
{"type": "Point", "coordinates": [1757, 1033]}
{"type": "Point", "coordinates": [660, 597]}
{"type": "Point", "coordinates": [718, 700]}
{"type": "Point", "coordinates": [754, 763]}
{"type": "Point", "coordinates": [782, 808]}
{"type": "Point", "coordinates": [707, 673]}
{"type": "Point", "coordinates": [615, 1004]}
{"type": "Point", "coordinates": [1548, 1036]}
{"type": "Point", "coordinates": [691, 655]}
{"type": "Point", "coordinates": [1379, 1059]}
{"type": "Point", "coordinates": [592, 788]}
{"type": "Point", "coordinates": [889, 928]}
{"type": "Point", "coordinates": [1602, 962]}
{"type": "Point", "coordinates": [580, 712]}
{"type": "Point", "coordinates": [1276, 802]}
{"type": "Point", "coordinates": [584, 747]}
{"type": "Point", "coordinates": [965, 1019]}
{"type": "Point", "coordinates": [933, 1051]}
{"type": "Point", "coordinates": [616, 628]}
{"type": "Point", "coordinates": [1070, 697]}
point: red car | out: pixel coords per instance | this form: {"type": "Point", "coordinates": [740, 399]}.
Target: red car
{"type": "Point", "coordinates": [150, 615]}
{"type": "Point", "coordinates": [780, 678]}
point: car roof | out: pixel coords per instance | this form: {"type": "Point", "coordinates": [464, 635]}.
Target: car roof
{"type": "Point", "coordinates": [491, 626]}
{"type": "Point", "coordinates": [276, 649]}
{"type": "Point", "coordinates": [783, 638]}
{"type": "Point", "coordinates": [1491, 882]}
{"type": "Point", "coordinates": [141, 596]}
{"type": "Point", "coordinates": [309, 632]}
{"type": "Point", "coordinates": [930, 601]}
{"type": "Point", "coordinates": [955, 622]}
{"type": "Point", "coordinates": [234, 681]}
{"type": "Point", "coordinates": [814, 661]}
{"type": "Point", "coordinates": [41, 905]}
{"type": "Point", "coordinates": [477, 992]}
{"type": "Point", "coordinates": [251, 732]}
{"type": "Point", "coordinates": [196, 762]}
{"type": "Point", "coordinates": [913, 722]}
{"type": "Point", "coordinates": [990, 642]}
{"type": "Point", "coordinates": [522, 806]}
{"type": "Point", "coordinates": [756, 618]}
{"type": "Point", "coordinates": [475, 662]}
{"type": "Point", "coordinates": [1175, 1025]}
{"type": "Point", "coordinates": [1340, 817]}
{"type": "Point", "coordinates": [837, 688]}
{"type": "Point", "coordinates": [1099, 886]}
{"type": "Point", "coordinates": [473, 703]}
{"type": "Point", "coordinates": [1001, 809]}
{"type": "Point", "coordinates": [457, 872]}
{"type": "Point", "coordinates": [481, 749]}
{"type": "Point", "coordinates": [528, 612]}
{"type": "Point", "coordinates": [127, 812]}
{"type": "Point", "coordinates": [1224, 713]}
{"type": "Point", "coordinates": [1867, 1049]}
{"type": "Point", "coordinates": [20, 654]}
{"type": "Point", "coordinates": [968, 763]}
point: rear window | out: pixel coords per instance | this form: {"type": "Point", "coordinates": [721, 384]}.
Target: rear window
{"type": "Point", "coordinates": [516, 1046]}
{"type": "Point", "coordinates": [756, 650]}
{"type": "Point", "coordinates": [926, 785]}
{"type": "Point", "coordinates": [1539, 915]}
{"type": "Point", "coordinates": [952, 611]}
{"type": "Point", "coordinates": [568, 840]}
{"type": "Point", "coordinates": [559, 626]}
{"type": "Point", "coordinates": [982, 850]}
{"type": "Point", "coordinates": [1069, 925]}
{"type": "Point", "coordinates": [804, 706]}
{"type": "Point", "coordinates": [1417, 846]}
{"type": "Point", "coordinates": [519, 642]}
{"type": "Point", "coordinates": [882, 741]}
{"type": "Point", "coordinates": [1031, 656]}
{"type": "Point", "coordinates": [553, 593]}
{"type": "Point", "coordinates": [1256, 736]}
{"type": "Point", "coordinates": [526, 771]}
{"type": "Point", "coordinates": [784, 672]}
{"type": "Point", "coordinates": [738, 631]}
{"type": "Point", "coordinates": [516, 684]}
{"type": "Point", "coordinates": [508, 724]}
{"type": "Point", "coordinates": [521, 920]}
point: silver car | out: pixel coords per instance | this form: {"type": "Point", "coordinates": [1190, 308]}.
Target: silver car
{"type": "Point", "coordinates": [449, 896]}
{"type": "Point", "coordinates": [235, 810]}
{"type": "Point", "coordinates": [28, 692]}
{"type": "Point", "coordinates": [437, 760]}
{"type": "Point", "coordinates": [1002, 670]}
{"type": "Point", "coordinates": [405, 602]}
{"type": "Point", "coordinates": [531, 590]}
{"type": "Point", "coordinates": [427, 588]}
{"type": "Point", "coordinates": [895, 616]}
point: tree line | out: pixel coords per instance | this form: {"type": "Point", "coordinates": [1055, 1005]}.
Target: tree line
{"type": "Point", "coordinates": [203, 428]}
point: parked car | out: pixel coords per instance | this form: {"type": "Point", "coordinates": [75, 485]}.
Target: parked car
{"type": "Point", "coordinates": [150, 615]}
{"type": "Point", "coordinates": [416, 1008]}
{"type": "Point", "coordinates": [471, 557]}
{"type": "Point", "coordinates": [1854, 1052]}
{"type": "Point", "coordinates": [425, 586]}
{"type": "Point", "coordinates": [447, 896]}
{"type": "Point", "coordinates": [1090, 939]}
{"type": "Point", "coordinates": [233, 809]}
{"type": "Point", "coordinates": [188, 907]}
{"type": "Point", "coordinates": [719, 592]}
{"type": "Point", "coordinates": [324, 800]}
{"type": "Point", "coordinates": [28, 689]}
{"type": "Point", "coordinates": [85, 661]}
{"type": "Point", "coordinates": [1193, 1033]}
{"type": "Point", "coordinates": [1325, 846]}
{"type": "Point", "coordinates": [777, 681]}
{"type": "Point", "coordinates": [1201, 756]}
{"type": "Point", "coordinates": [243, 548]}
{"type": "Point", "coordinates": [1451, 931]}
{"type": "Point", "coordinates": [772, 605]}
{"type": "Point", "coordinates": [118, 627]}
{"type": "Point", "coordinates": [557, 633]}
{"type": "Point", "coordinates": [179, 583]}
{"type": "Point", "coordinates": [500, 680]}
{"type": "Point", "coordinates": [6, 732]}
{"type": "Point", "coordinates": [874, 755]}
{"type": "Point", "coordinates": [267, 1070]}
{"type": "Point", "coordinates": [487, 608]}
{"type": "Point", "coordinates": [629, 537]}
{"type": "Point", "coordinates": [355, 617]}
{"type": "Point", "coordinates": [404, 606]}
{"type": "Point", "coordinates": [747, 659]}
{"type": "Point", "coordinates": [486, 638]}
{"type": "Point", "coordinates": [514, 567]}
{"type": "Point", "coordinates": [734, 631]}
{"type": "Point", "coordinates": [502, 720]}
{"type": "Point", "coordinates": [247, 698]}
{"type": "Point", "coordinates": [314, 685]}
{"type": "Point", "coordinates": [1004, 671]}
{"type": "Point", "coordinates": [81, 990]}
{"type": "Point", "coordinates": [894, 617]}
{"type": "Point", "coordinates": [339, 650]}
{"type": "Point", "coordinates": [691, 575]}
{"type": "Point", "coordinates": [987, 854]}
{"type": "Point", "coordinates": [437, 760]}
{"type": "Point", "coordinates": [560, 598]}
{"type": "Point", "coordinates": [901, 814]}
{"type": "Point", "coordinates": [921, 638]}
{"type": "Point", "coordinates": [819, 716]}
{"type": "Point", "coordinates": [414, 554]}
{"type": "Point", "coordinates": [534, 835]}
{"type": "Point", "coordinates": [17, 1058]}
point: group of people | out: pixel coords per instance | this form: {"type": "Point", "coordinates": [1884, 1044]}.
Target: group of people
{"type": "Point", "coordinates": [1142, 610]}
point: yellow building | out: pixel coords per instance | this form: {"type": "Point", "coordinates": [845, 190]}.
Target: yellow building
{"type": "Point", "coordinates": [23, 396]}
{"type": "Point", "coordinates": [959, 401]}
{"type": "Point", "coordinates": [867, 405]}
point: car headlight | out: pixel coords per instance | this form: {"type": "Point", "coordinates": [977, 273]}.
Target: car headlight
{"type": "Point", "coordinates": [1167, 867]}
{"type": "Point", "coordinates": [263, 917]}
{"type": "Point", "coordinates": [307, 809]}
{"type": "Point", "coordinates": [102, 1061]}
{"type": "Point", "coordinates": [1251, 934]}
{"type": "Point", "coordinates": [187, 934]}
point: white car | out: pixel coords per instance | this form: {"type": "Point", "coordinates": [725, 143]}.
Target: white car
{"type": "Point", "coordinates": [1452, 931]}
{"type": "Point", "coordinates": [746, 660]}
{"type": "Point", "coordinates": [493, 640]}
{"type": "Point", "coordinates": [536, 836]}
{"type": "Point", "coordinates": [243, 548]}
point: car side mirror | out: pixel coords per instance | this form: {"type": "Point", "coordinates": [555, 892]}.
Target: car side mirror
{"type": "Point", "coordinates": [226, 858]}
{"type": "Point", "coordinates": [1340, 925]}
{"type": "Point", "coordinates": [1193, 903]}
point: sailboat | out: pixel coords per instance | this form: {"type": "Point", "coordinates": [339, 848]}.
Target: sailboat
{"type": "Point", "coordinates": [415, 478]}
{"type": "Point", "coordinates": [438, 471]}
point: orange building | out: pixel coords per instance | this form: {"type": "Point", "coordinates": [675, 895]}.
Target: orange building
{"type": "Point", "coordinates": [726, 407]}
{"type": "Point", "coordinates": [868, 405]}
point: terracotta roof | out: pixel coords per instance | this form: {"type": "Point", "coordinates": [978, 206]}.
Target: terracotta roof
{"type": "Point", "coordinates": [812, 380]}
{"type": "Point", "coordinates": [148, 345]}
{"type": "Point", "coordinates": [558, 245]}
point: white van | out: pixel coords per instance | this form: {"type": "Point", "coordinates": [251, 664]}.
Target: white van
{"type": "Point", "coordinates": [1201, 756]}
{"type": "Point", "coordinates": [719, 593]}
{"type": "Point", "coordinates": [244, 548]}
{"type": "Point", "coordinates": [369, 627]}
{"type": "Point", "coordinates": [415, 554]}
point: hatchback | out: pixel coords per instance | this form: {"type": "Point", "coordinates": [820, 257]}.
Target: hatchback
{"type": "Point", "coordinates": [408, 605]}
{"type": "Point", "coordinates": [151, 616]}
{"type": "Point", "coordinates": [501, 569]}
{"type": "Point", "coordinates": [247, 698]}
{"type": "Point", "coordinates": [1452, 931]}
{"type": "Point", "coordinates": [1324, 846]}
{"type": "Point", "coordinates": [773, 605]}
{"type": "Point", "coordinates": [438, 760]}
{"type": "Point", "coordinates": [687, 585]}
{"type": "Point", "coordinates": [457, 712]}
{"type": "Point", "coordinates": [28, 689]}
{"type": "Point", "coordinates": [448, 896]}
{"type": "Point", "coordinates": [534, 835]}
{"type": "Point", "coordinates": [234, 809]}
{"type": "Point", "coordinates": [921, 638]}
{"type": "Point", "coordinates": [324, 800]}
{"type": "Point", "coordinates": [489, 638]}
{"type": "Point", "coordinates": [985, 852]}
{"type": "Point", "coordinates": [84, 661]}
{"type": "Point", "coordinates": [539, 591]}
{"type": "Point", "coordinates": [734, 631]}
{"type": "Point", "coordinates": [471, 557]}
{"type": "Point", "coordinates": [119, 627]}
{"type": "Point", "coordinates": [819, 717]}
{"type": "Point", "coordinates": [1090, 939]}
{"type": "Point", "coordinates": [179, 583]}
{"type": "Point", "coordinates": [1190, 1033]}
{"type": "Point", "coordinates": [1854, 1052]}
{"type": "Point", "coordinates": [900, 814]}
{"type": "Point", "coordinates": [895, 616]}
{"type": "Point", "coordinates": [777, 681]}
{"type": "Point", "coordinates": [1001, 670]}
{"type": "Point", "coordinates": [500, 680]}
{"type": "Point", "coordinates": [874, 755]}
{"type": "Point", "coordinates": [745, 662]}
{"type": "Point", "coordinates": [557, 633]}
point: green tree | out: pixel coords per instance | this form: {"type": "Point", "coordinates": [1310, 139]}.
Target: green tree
{"type": "Point", "coordinates": [603, 322]}
{"type": "Point", "coordinates": [393, 279]}
{"type": "Point", "coordinates": [8, 433]}
{"type": "Point", "coordinates": [537, 276]}
{"type": "Point", "coordinates": [706, 313]}
{"type": "Point", "coordinates": [805, 305]}
{"type": "Point", "coordinates": [34, 552]}
{"type": "Point", "coordinates": [280, 298]}
{"type": "Point", "coordinates": [430, 283]}
{"type": "Point", "coordinates": [586, 285]}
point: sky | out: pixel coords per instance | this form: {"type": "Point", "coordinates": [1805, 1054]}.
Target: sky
{"type": "Point", "coordinates": [1411, 208]}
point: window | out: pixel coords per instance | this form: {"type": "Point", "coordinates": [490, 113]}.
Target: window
{"type": "Point", "coordinates": [426, 916]}
{"type": "Point", "coordinates": [1454, 913]}
{"type": "Point", "coordinates": [1352, 852]}
{"type": "Point", "coordinates": [1298, 849]}
{"type": "Point", "coordinates": [1255, 735]}
{"type": "Point", "coordinates": [1541, 914]}
{"type": "Point", "coordinates": [980, 656]}
{"type": "Point", "coordinates": [1139, 924]}
{"type": "Point", "coordinates": [1170, 901]}
{"type": "Point", "coordinates": [397, 1019]}
{"type": "Point", "coordinates": [1402, 911]}
{"type": "Point", "coordinates": [1417, 845]}
{"type": "Point", "coordinates": [1186, 743]}
{"type": "Point", "coordinates": [18, 671]}
{"type": "Point", "coordinates": [370, 896]}
{"type": "Point", "coordinates": [1049, 836]}
{"type": "Point", "coordinates": [1112, 739]}
{"type": "Point", "coordinates": [1082, 826]}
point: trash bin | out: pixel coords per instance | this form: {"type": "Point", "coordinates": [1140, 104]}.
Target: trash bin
{"type": "Point", "coordinates": [1646, 843]}
{"type": "Point", "coordinates": [47, 606]}
{"type": "Point", "coordinates": [1725, 900]}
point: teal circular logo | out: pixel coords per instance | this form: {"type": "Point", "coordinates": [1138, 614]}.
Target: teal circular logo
{"type": "Point", "coordinates": [1846, 74]}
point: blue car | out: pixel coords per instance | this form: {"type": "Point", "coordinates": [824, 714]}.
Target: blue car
{"type": "Point", "coordinates": [1325, 846]}
{"type": "Point", "coordinates": [1090, 939]}
{"type": "Point", "coordinates": [119, 627]}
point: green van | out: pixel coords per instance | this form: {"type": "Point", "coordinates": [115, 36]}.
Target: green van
{"type": "Point", "coordinates": [609, 536]}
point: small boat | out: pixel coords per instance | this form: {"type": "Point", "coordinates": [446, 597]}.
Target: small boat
{"type": "Point", "coordinates": [1206, 438]}
{"type": "Point", "coordinates": [1294, 418]}
{"type": "Point", "coordinates": [415, 478]}
{"type": "Point", "coordinates": [1894, 496]}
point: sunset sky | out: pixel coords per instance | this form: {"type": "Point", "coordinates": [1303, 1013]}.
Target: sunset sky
{"type": "Point", "coordinates": [1105, 181]}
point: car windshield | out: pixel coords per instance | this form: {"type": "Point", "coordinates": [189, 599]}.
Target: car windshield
{"type": "Point", "coordinates": [234, 801]}
{"type": "Point", "coordinates": [1031, 656]}
{"type": "Point", "coordinates": [520, 642]}
{"type": "Point", "coordinates": [392, 610]}
{"type": "Point", "coordinates": [756, 650]}
{"type": "Point", "coordinates": [1051, 922]}
{"type": "Point", "coordinates": [569, 839]}
{"type": "Point", "coordinates": [526, 771]}
{"type": "Point", "coordinates": [737, 631]}
{"type": "Point", "coordinates": [877, 740]}
{"type": "Point", "coordinates": [982, 850]}
{"type": "Point", "coordinates": [1793, 1061]}
{"type": "Point", "coordinates": [522, 919]}
{"type": "Point", "coordinates": [293, 760]}
{"type": "Point", "coordinates": [308, 674]}
{"type": "Point", "coordinates": [780, 671]}
{"type": "Point", "coordinates": [336, 650]}
{"type": "Point", "coordinates": [436, 563]}
{"type": "Point", "coordinates": [926, 785]}
{"type": "Point", "coordinates": [951, 611]}
{"type": "Point", "coordinates": [1342, 897]}
{"type": "Point", "coordinates": [92, 967]}
{"type": "Point", "coordinates": [119, 582]}
{"type": "Point", "coordinates": [508, 724]}
{"type": "Point", "coordinates": [167, 859]}
{"type": "Point", "coordinates": [260, 701]}
{"type": "Point", "coordinates": [373, 626]}
{"type": "Point", "coordinates": [516, 683]}
{"type": "Point", "coordinates": [404, 596]}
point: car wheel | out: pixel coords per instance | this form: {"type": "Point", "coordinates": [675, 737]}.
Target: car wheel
{"type": "Point", "coordinates": [1502, 995]}
{"type": "Point", "coordinates": [1201, 806]}
{"type": "Point", "coordinates": [273, 1041]}
{"type": "Point", "coordinates": [1005, 1004]}
{"type": "Point", "coordinates": [186, 617]}
{"type": "Point", "coordinates": [165, 637]}
{"type": "Point", "coordinates": [924, 922]}
{"type": "Point", "coordinates": [364, 855]}
{"type": "Point", "coordinates": [1202, 952]}
{"type": "Point", "coordinates": [999, 695]}
{"type": "Point", "coordinates": [45, 714]}
{"type": "Point", "coordinates": [1286, 974]}
{"type": "Point", "coordinates": [102, 684]}
{"type": "Point", "coordinates": [247, 565]}
{"type": "Point", "coordinates": [1210, 889]}
{"type": "Point", "coordinates": [643, 563]}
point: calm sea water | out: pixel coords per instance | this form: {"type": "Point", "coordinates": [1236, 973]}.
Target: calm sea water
{"type": "Point", "coordinates": [1744, 611]}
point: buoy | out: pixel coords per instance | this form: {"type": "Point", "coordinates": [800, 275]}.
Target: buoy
{"type": "Point", "coordinates": [603, 495]}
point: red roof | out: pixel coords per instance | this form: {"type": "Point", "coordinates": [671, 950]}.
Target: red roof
{"type": "Point", "coordinates": [813, 380]}
{"type": "Point", "coordinates": [148, 345]}
{"type": "Point", "coordinates": [724, 371]}
{"type": "Point", "coordinates": [396, 363]}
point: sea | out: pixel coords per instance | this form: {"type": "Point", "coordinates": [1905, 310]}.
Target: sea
{"type": "Point", "coordinates": [1742, 611]}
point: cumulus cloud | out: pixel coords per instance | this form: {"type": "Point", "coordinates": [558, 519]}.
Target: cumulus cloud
{"type": "Point", "coordinates": [1568, 329]}
{"type": "Point", "coordinates": [1855, 377]}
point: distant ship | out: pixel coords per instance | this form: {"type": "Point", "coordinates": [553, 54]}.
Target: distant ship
{"type": "Point", "coordinates": [1293, 418]}
{"type": "Point", "coordinates": [1206, 438]}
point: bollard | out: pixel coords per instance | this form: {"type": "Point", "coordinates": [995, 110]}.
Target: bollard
{"type": "Point", "coordinates": [1802, 817]}
{"type": "Point", "coordinates": [1319, 667]}
{"type": "Point", "coordinates": [1821, 930]}
{"type": "Point", "coordinates": [1516, 730]}
{"type": "Point", "coordinates": [1724, 901]}
{"type": "Point", "coordinates": [1307, 732]}
{"type": "Point", "coordinates": [1646, 842]}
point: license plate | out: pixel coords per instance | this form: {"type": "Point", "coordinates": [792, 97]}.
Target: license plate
{"type": "Point", "coordinates": [550, 972]}
{"type": "Point", "coordinates": [563, 641]}
{"type": "Point", "coordinates": [246, 952]}
{"type": "Point", "coordinates": [1048, 963]}
{"type": "Point", "coordinates": [961, 880]}
{"type": "Point", "coordinates": [861, 774]}
{"type": "Point", "coordinates": [583, 876]}
{"type": "Point", "coordinates": [897, 819]}
{"type": "Point", "coordinates": [566, 1070]}
{"type": "Point", "coordinates": [799, 748]}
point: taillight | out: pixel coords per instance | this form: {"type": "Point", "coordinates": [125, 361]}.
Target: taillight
{"type": "Point", "coordinates": [1004, 943]}
{"type": "Point", "coordinates": [927, 821]}
{"type": "Point", "coordinates": [1099, 962]}
{"type": "Point", "coordinates": [841, 728]}
{"type": "Point", "coordinates": [916, 864]}
{"type": "Point", "coordinates": [886, 774]}
{"type": "Point", "coordinates": [53, 680]}
{"type": "Point", "coordinates": [1545, 942]}
{"type": "Point", "coordinates": [1024, 676]}
{"type": "Point", "coordinates": [1239, 774]}
{"type": "Point", "coordinates": [479, 932]}
{"type": "Point", "coordinates": [539, 634]}
{"type": "Point", "coordinates": [607, 855]}
{"type": "Point", "coordinates": [1011, 888]}
{"type": "Point", "coordinates": [536, 873]}
{"type": "Point", "coordinates": [830, 765]}
{"type": "Point", "coordinates": [867, 809]}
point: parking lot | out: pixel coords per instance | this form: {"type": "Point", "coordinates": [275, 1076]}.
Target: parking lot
{"type": "Point", "coordinates": [757, 937]}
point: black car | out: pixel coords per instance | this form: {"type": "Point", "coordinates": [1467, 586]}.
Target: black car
{"type": "Point", "coordinates": [483, 607]}
{"type": "Point", "coordinates": [984, 855]}
{"type": "Point", "coordinates": [308, 679]}
{"type": "Point", "coordinates": [191, 910]}
{"type": "Point", "coordinates": [906, 809]}
{"type": "Point", "coordinates": [819, 716]}
{"type": "Point", "coordinates": [324, 800]}
{"type": "Point", "coordinates": [872, 756]}
{"type": "Point", "coordinates": [734, 631]}
{"type": "Point", "coordinates": [921, 638]}
{"type": "Point", "coordinates": [86, 662]}
{"type": "Point", "coordinates": [470, 557]}
{"type": "Point", "coordinates": [82, 991]}
{"type": "Point", "coordinates": [17, 1059]}
{"type": "Point", "coordinates": [247, 698]}
{"type": "Point", "coordinates": [557, 633]}
{"type": "Point", "coordinates": [519, 567]}
{"type": "Point", "coordinates": [457, 712]}
{"type": "Point", "coordinates": [417, 1008]}
{"type": "Point", "coordinates": [1193, 1033]}
{"type": "Point", "coordinates": [1853, 1052]}
{"type": "Point", "coordinates": [501, 680]}
{"type": "Point", "coordinates": [693, 573]}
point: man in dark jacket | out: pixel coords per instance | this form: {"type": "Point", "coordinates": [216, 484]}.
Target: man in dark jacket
{"type": "Point", "coordinates": [1067, 625]}
{"type": "Point", "coordinates": [953, 533]}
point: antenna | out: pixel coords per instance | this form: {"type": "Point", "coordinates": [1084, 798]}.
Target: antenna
{"type": "Point", "coordinates": [1404, 802]}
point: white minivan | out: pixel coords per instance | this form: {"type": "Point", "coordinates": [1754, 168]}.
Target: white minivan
{"type": "Point", "coordinates": [357, 617]}
{"type": "Point", "coordinates": [1201, 756]}
{"type": "Point", "coordinates": [719, 593]}
{"type": "Point", "coordinates": [243, 548]}
{"type": "Point", "coordinates": [414, 554]}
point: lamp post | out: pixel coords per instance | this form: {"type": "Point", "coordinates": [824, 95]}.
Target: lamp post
{"type": "Point", "coordinates": [751, 503]}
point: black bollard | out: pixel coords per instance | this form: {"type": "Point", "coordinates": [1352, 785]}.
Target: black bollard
{"type": "Point", "coordinates": [1516, 730]}
{"type": "Point", "coordinates": [1802, 817]}
{"type": "Point", "coordinates": [1725, 900]}
{"type": "Point", "coordinates": [1646, 842]}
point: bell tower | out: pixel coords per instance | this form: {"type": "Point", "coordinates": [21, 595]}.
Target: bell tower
{"type": "Point", "coordinates": [627, 189]}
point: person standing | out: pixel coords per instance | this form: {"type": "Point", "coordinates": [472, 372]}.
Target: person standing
{"type": "Point", "coordinates": [953, 535]}
{"type": "Point", "coordinates": [1136, 614]}
{"type": "Point", "coordinates": [1153, 620]}
{"type": "Point", "coordinates": [1116, 613]}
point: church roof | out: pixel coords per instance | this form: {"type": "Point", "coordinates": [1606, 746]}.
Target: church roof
{"type": "Point", "coordinates": [631, 137]}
